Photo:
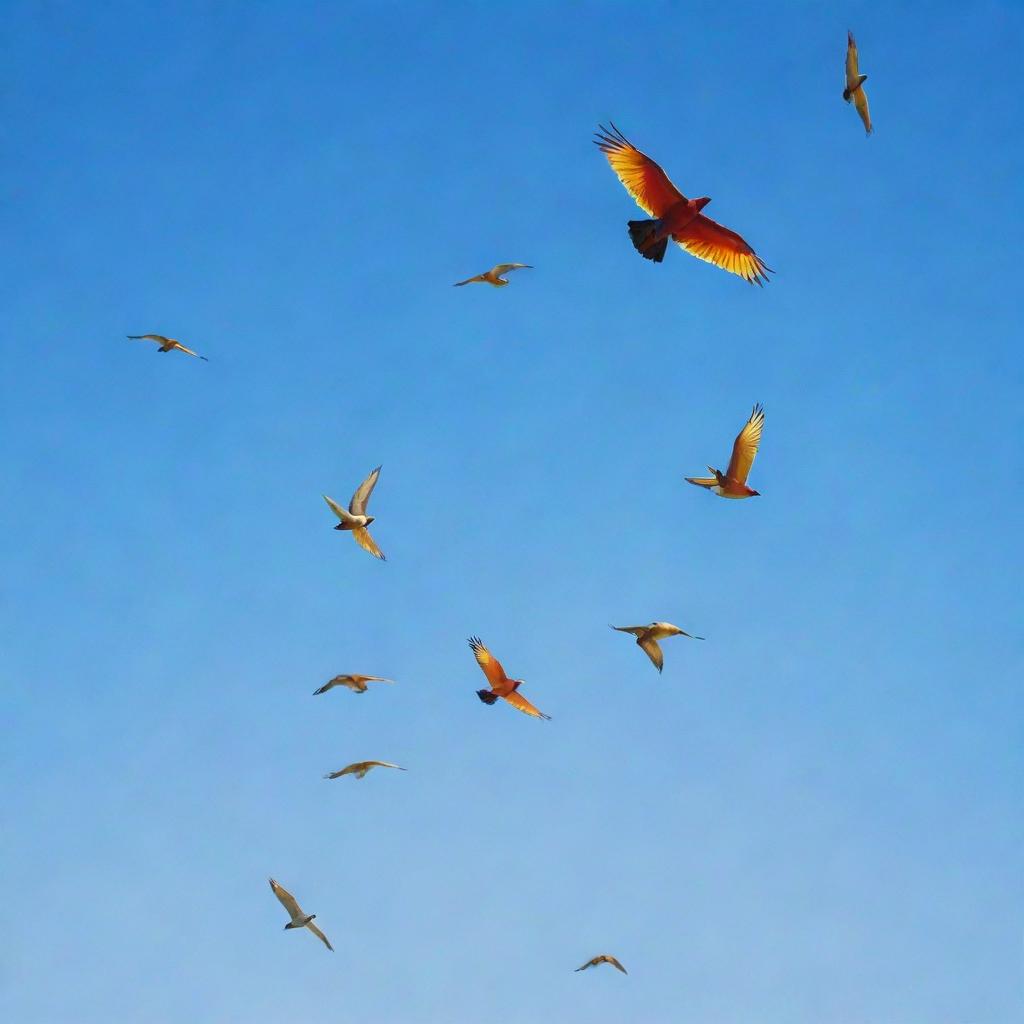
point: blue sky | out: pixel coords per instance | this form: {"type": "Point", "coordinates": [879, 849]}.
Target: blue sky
{"type": "Point", "coordinates": [815, 815]}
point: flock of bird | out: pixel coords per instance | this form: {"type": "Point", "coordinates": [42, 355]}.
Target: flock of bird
{"type": "Point", "coordinates": [672, 216]}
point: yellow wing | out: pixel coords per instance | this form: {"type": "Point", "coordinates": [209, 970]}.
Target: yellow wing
{"type": "Point", "coordinates": [644, 180]}
{"type": "Point", "coordinates": [714, 243]}
{"type": "Point", "coordinates": [860, 101]}
{"type": "Point", "coordinates": [520, 703]}
{"type": "Point", "coordinates": [365, 541]}
{"type": "Point", "coordinates": [490, 664]}
{"type": "Point", "coordinates": [852, 64]}
{"type": "Point", "coordinates": [745, 446]}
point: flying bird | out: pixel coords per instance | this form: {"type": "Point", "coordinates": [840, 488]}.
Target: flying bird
{"type": "Point", "coordinates": [494, 275]}
{"type": "Point", "coordinates": [675, 216]}
{"type": "Point", "coordinates": [356, 519]}
{"type": "Point", "coordinates": [647, 638]}
{"type": "Point", "coordinates": [604, 958]}
{"type": "Point", "coordinates": [733, 482]}
{"type": "Point", "coordinates": [360, 768]}
{"type": "Point", "coordinates": [355, 683]}
{"type": "Point", "coordinates": [501, 685]}
{"type": "Point", "coordinates": [855, 83]}
{"type": "Point", "coordinates": [299, 919]}
{"type": "Point", "coordinates": [166, 344]}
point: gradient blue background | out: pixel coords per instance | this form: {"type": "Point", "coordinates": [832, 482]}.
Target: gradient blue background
{"type": "Point", "coordinates": [814, 816]}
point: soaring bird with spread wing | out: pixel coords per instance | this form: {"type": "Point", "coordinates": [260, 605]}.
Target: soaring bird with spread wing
{"type": "Point", "coordinates": [356, 519]}
{"type": "Point", "coordinates": [501, 685]}
{"type": "Point", "coordinates": [360, 768]}
{"type": "Point", "coordinates": [604, 958]}
{"type": "Point", "coordinates": [733, 482]}
{"type": "Point", "coordinates": [354, 682]}
{"type": "Point", "coordinates": [166, 344]}
{"type": "Point", "coordinates": [494, 276]}
{"type": "Point", "coordinates": [675, 216]}
{"type": "Point", "coordinates": [855, 83]}
{"type": "Point", "coordinates": [647, 638]}
{"type": "Point", "coordinates": [299, 919]}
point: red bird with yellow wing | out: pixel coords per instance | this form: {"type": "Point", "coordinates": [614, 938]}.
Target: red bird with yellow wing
{"type": "Point", "coordinates": [501, 685]}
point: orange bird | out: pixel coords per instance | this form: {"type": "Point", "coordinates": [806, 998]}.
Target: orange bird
{"type": "Point", "coordinates": [676, 217]}
{"type": "Point", "coordinates": [501, 685]}
{"type": "Point", "coordinates": [733, 482]}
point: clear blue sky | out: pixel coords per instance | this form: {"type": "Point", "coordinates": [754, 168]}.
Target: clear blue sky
{"type": "Point", "coordinates": [816, 815]}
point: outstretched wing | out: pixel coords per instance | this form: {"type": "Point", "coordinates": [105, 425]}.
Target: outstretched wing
{"type": "Point", "coordinates": [357, 506]}
{"type": "Point", "coordinates": [159, 338]}
{"type": "Point", "coordinates": [745, 446]}
{"type": "Point", "coordinates": [490, 664]}
{"type": "Point", "coordinates": [652, 649]}
{"type": "Point", "coordinates": [635, 630]}
{"type": "Point", "coordinates": [615, 963]}
{"type": "Point", "coordinates": [189, 352]}
{"type": "Point", "coordinates": [471, 280]}
{"type": "Point", "coordinates": [365, 541]}
{"type": "Point", "coordinates": [320, 935]}
{"type": "Point", "coordinates": [383, 764]}
{"type": "Point", "coordinates": [341, 513]}
{"type": "Point", "coordinates": [592, 962]}
{"type": "Point", "coordinates": [504, 268]}
{"type": "Point", "coordinates": [710, 241]}
{"type": "Point", "coordinates": [644, 180]}
{"type": "Point", "coordinates": [702, 481]}
{"type": "Point", "coordinates": [860, 101]}
{"type": "Point", "coordinates": [852, 63]}
{"type": "Point", "coordinates": [287, 901]}
{"type": "Point", "coordinates": [520, 703]}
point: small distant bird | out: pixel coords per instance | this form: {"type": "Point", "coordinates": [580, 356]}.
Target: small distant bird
{"type": "Point", "coordinates": [501, 685]}
{"type": "Point", "coordinates": [356, 519]}
{"type": "Point", "coordinates": [166, 344]}
{"type": "Point", "coordinates": [604, 958]}
{"type": "Point", "coordinates": [360, 768]}
{"type": "Point", "coordinates": [355, 683]}
{"type": "Point", "coordinates": [494, 275]}
{"type": "Point", "coordinates": [676, 217]}
{"type": "Point", "coordinates": [855, 83]}
{"type": "Point", "coordinates": [733, 482]}
{"type": "Point", "coordinates": [647, 638]}
{"type": "Point", "coordinates": [299, 919]}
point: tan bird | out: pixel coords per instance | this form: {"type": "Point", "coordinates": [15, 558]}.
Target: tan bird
{"type": "Point", "coordinates": [299, 919]}
{"type": "Point", "coordinates": [855, 83]}
{"type": "Point", "coordinates": [733, 482]}
{"type": "Point", "coordinates": [360, 768]}
{"type": "Point", "coordinates": [355, 683]}
{"type": "Point", "coordinates": [356, 519]}
{"type": "Point", "coordinates": [604, 958]}
{"type": "Point", "coordinates": [494, 275]}
{"type": "Point", "coordinates": [647, 638]}
{"type": "Point", "coordinates": [501, 685]}
{"type": "Point", "coordinates": [166, 344]}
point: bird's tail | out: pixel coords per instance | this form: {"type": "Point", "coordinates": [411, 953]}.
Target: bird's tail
{"type": "Point", "coordinates": [644, 235]}
{"type": "Point", "coordinates": [486, 696]}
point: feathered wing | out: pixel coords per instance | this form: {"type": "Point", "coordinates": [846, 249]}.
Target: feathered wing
{"type": "Point", "coordinates": [852, 63]}
{"type": "Point", "coordinates": [287, 901]}
{"type": "Point", "coordinates": [592, 962]}
{"type": "Point", "coordinates": [320, 935]}
{"type": "Point", "coordinates": [504, 268]}
{"type": "Point", "coordinates": [365, 541]}
{"type": "Point", "coordinates": [357, 506]}
{"type": "Point", "coordinates": [635, 630]}
{"type": "Point", "coordinates": [702, 481]}
{"type": "Point", "coordinates": [643, 179]}
{"type": "Point", "coordinates": [159, 338]}
{"type": "Point", "coordinates": [744, 448]}
{"type": "Point", "coordinates": [471, 280]}
{"type": "Point", "coordinates": [341, 513]}
{"type": "Point", "coordinates": [615, 963]}
{"type": "Point", "coordinates": [329, 685]}
{"type": "Point", "coordinates": [383, 764]}
{"type": "Point", "coordinates": [860, 101]}
{"type": "Point", "coordinates": [491, 666]}
{"type": "Point", "coordinates": [652, 649]}
{"type": "Point", "coordinates": [520, 703]}
{"type": "Point", "coordinates": [182, 348]}
{"type": "Point", "coordinates": [710, 241]}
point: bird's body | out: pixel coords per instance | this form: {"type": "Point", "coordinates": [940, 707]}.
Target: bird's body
{"type": "Point", "coordinates": [604, 958]}
{"type": "Point", "coordinates": [647, 638]}
{"type": "Point", "coordinates": [166, 344]}
{"type": "Point", "coordinates": [494, 275]}
{"type": "Point", "coordinates": [299, 919]}
{"type": "Point", "coordinates": [733, 482]}
{"type": "Point", "coordinates": [355, 683]}
{"type": "Point", "coordinates": [501, 686]}
{"type": "Point", "coordinates": [360, 768]}
{"type": "Point", "coordinates": [355, 519]}
{"type": "Point", "coordinates": [675, 216]}
{"type": "Point", "coordinates": [854, 91]}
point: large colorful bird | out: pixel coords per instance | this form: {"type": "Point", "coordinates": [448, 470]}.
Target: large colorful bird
{"type": "Point", "coordinates": [604, 958]}
{"type": "Point", "coordinates": [360, 768]}
{"type": "Point", "coordinates": [299, 919]}
{"type": "Point", "coordinates": [356, 519]}
{"type": "Point", "coordinates": [501, 685]}
{"type": "Point", "coordinates": [494, 275]}
{"type": "Point", "coordinates": [733, 482]}
{"type": "Point", "coordinates": [647, 638]}
{"type": "Point", "coordinates": [355, 683]}
{"type": "Point", "coordinates": [675, 216]}
{"type": "Point", "coordinates": [166, 344]}
{"type": "Point", "coordinates": [855, 83]}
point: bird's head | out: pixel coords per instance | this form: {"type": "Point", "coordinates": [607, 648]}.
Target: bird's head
{"type": "Point", "coordinates": [702, 202]}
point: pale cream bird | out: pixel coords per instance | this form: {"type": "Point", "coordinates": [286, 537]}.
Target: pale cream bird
{"type": "Point", "coordinates": [494, 275]}
{"type": "Point", "coordinates": [360, 768]}
{"type": "Point", "coordinates": [355, 683]}
{"type": "Point", "coordinates": [855, 84]}
{"type": "Point", "coordinates": [355, 518]}
{"type": "Point", "coordinates": [604, 958]}
{"type": "Point", "coordinates": [647, 638]}
{"type": "Point", "coordinates": [166, 344]}
{"type": "Point", "coordinates": [299, 919]}
{"type": "Point", "coordinates": [733, 482]}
